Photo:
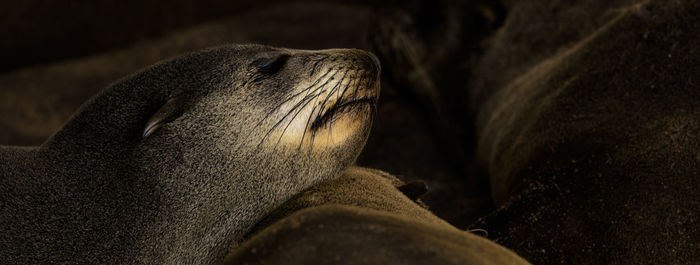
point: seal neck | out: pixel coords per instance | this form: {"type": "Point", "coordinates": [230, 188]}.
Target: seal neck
{"type": "Point", "coordinates": [112, 120]}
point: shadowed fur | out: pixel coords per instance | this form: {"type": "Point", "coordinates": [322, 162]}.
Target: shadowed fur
{"type": "Point", "coordinates": [174, 164]}
{"type": "Point", "coordinates": [362, 217]}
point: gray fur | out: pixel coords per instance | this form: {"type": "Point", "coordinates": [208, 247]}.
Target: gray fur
{"type": "Point", "coordinates": [97, 192]}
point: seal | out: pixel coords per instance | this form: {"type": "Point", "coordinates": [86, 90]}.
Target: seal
{"type": "Point", "coordinates": [345, 220]}
{"type": "Point", "coordinates": [174, 164]}
{"type": "Point", "coordinates": [592, 158]}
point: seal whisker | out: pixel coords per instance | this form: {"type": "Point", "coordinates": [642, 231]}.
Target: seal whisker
{"type": "Point", "coordinates": [294, 96]}
{"type": "Point", "coordinates": [306, 99]}
{"type": "Point", "coordinates": [313, 137]}
{"type": "Point", "coordinates": [318, 117]}
{"type": "Point", "coordinates": [345, 89]}
{"type": "Point", "coordinates": [331, 93]}
{"type": "Point", "coordinates": [285, 101]}
{"type": "Point", "coordinates": [302, 91]}
{"type": "Point", "coordinates": [306, 128]}
{"type": "Point", "coordinates": [359, 84]}
{"type": "Point", "coordinates": [330, 127]}
{"type": "Point", "coordinates": [315, 116]}
{"type": "Point", "coordinates": [313, 69]}
{"type": "Point", "coordinates": [292, 119]}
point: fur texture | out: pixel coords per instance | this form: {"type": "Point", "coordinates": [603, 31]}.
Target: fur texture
{"type": "Point", "coordinates": [357, 186]}
{"type": "Point", "coordinates": [257, 125]}
{"type": "Point", "coordinates": [588, 124]}
{"type": "Point", "coordinates": [362, 218]}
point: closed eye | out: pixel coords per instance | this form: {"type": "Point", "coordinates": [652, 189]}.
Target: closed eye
{"type": "Point", "coordinates": [271, 65]}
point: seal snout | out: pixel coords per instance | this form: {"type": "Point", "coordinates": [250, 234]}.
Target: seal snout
{"type": "Point", "coordinates": [368, 70]}
{"type": "Point", "coordinates": [366, 61]}
{"type": "Point", "coordinates": [359, 86]}
{"type": "Point", "coordinates": [334, 99]}
{"type": "Point", "coordinates": [361, 81]}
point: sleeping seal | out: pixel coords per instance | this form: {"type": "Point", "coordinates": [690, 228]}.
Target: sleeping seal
{"type": "Point", "coordinates": [174, 164]}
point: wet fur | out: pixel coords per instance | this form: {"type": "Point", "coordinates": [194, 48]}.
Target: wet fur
{"type": "Point", "coordinates": [98, 193]}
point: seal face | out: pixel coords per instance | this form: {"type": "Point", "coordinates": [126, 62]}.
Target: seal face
{"type": "Point", "coordinates": [322, 110]}
{"type": "Point", "coordinates": [177, 162]}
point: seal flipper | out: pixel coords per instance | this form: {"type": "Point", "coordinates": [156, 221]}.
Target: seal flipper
{"type": "Point", "coordinates": [170, 111]}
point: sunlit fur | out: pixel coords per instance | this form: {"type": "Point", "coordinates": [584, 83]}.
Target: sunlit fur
{"type": "Point", "coordinates": [247, 140]}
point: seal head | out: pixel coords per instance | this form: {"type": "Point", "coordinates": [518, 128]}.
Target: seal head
{"type": "Point", "coordinates": [177, 162]}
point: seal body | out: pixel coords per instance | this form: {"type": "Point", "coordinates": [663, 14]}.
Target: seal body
{"type": "Point", "coordinates": [592, 150]}
{"type": "Point", "coordinates": [346, 220]}
{"type": "Point", "coordinates": [175, 163]}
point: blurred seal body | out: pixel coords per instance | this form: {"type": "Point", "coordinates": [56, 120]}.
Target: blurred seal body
{"type": "Point", "coordinates": [175, 163]}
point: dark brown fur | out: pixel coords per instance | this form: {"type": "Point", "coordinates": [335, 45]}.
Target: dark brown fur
{"type": "Point", "coordinates": [588, 121]}
{"type": "Point", "coordinates": [361, 217]}
{"type": "Point", "coordinates": [98, 193]}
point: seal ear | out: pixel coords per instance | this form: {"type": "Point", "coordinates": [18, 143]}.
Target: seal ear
{"type": "Point", "coordinates": [170, 111]}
